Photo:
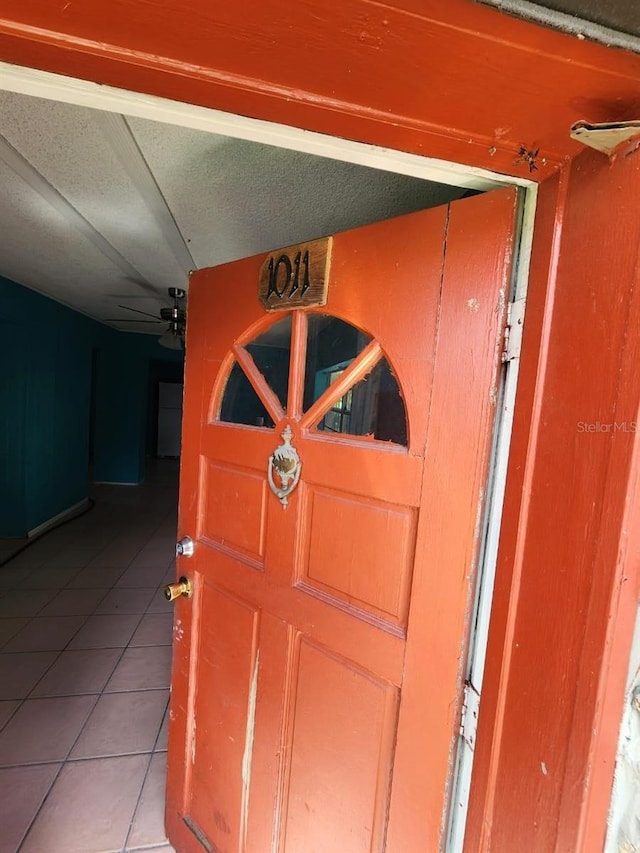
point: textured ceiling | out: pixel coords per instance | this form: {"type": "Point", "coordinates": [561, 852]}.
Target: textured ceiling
{"type": "Point", "coordinates": [98, 210]}
{"type": "Point", "coordinates": [622, 15]}
{"type": "Point", "coordinates": [612, 22]}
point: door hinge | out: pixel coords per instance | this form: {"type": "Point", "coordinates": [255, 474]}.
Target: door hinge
{"type": "Point", "coordinates": [513, 330]}
{"type": "Point", "coordinates": [469, 720]}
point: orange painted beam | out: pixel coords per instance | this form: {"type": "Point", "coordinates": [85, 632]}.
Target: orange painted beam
{"type": "Point", "coordinates": [449, 79]}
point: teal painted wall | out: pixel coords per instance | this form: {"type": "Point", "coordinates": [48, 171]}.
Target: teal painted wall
{"type": "Point", "coordinates": [12, 444]}
{"type": "Point", "coordinates": [45, 399]}
{"type": "Point", "coordinates": [121, 417]}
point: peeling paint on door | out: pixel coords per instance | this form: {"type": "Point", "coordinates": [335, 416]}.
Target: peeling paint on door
{"type": "Point", "coordinates": [248, 745]}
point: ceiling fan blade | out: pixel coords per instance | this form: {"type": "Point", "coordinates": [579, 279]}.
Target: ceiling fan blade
{"type": "Point", "coordinates": [130, 296]}
{"type": "Point", "coordinates": [147, 287]}
{"type": "Point", "coordinates": [138, 311]}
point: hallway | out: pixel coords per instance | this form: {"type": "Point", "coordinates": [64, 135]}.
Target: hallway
{"type": "Point", "coordinates": [85, 658]}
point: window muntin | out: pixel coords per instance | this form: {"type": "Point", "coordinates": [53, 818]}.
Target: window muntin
{"type": "Point", "coordinates": [329, 350]}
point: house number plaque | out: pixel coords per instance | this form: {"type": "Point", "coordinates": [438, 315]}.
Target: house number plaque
{"type": "Point", "coordinates": [296, 277]}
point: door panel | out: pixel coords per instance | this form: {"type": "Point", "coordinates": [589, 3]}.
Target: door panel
{"type": "Point", "coordinates": [318, 665]}
{"type": "Point", "coordinates": [233, 509]}
{"type": "Point", "coordinates": [347, 775]}
{"type": "Point", "coordinates": [369, 536]}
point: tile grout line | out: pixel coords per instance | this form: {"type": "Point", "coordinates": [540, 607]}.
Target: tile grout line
{"type": "Point", "coordinates": [62, 764]}
{"type": "Point", "coordinates": [68, 760]}
{"type": "Point", "coordinates": [39, 809]}
{"type": "Point", "coordinates": [22, 700]}
{"type": "Point", "coordinates": [153, 752]}
{"type": "Point", "coordinates": [84, 758]}
{"type": "Point", "coordinates": [146, 776]}
{"type": "Point", "coordinates": [167, 520]}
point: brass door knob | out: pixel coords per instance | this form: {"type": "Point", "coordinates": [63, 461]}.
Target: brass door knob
{"type": "Point", "coordinates": [175, 590]}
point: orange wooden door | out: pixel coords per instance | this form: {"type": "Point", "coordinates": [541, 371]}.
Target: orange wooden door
{"type": "Point", "coordinates": [318, 664]}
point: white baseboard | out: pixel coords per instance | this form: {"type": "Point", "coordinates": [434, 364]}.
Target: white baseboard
{"type": "Point", "coordinates": [115, 483]}
{"type": "Point", "coordinates": [61, 516]}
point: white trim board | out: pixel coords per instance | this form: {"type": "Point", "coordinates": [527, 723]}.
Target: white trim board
{"type": "Point", "coordinates": [116, 483]}
{"type": "Point", "coordinates": [56, 87]}
{"type": "Point", "coordinates": [66, 515]}
{"type": "Point", "coordinates": [488, 560]}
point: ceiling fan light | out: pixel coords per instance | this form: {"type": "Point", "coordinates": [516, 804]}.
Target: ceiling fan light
{"type": "Point", "coordinates": [170, 340]}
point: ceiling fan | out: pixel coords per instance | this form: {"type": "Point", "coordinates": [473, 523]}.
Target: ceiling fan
{"type": "Point", "coordinates": [176, 317]}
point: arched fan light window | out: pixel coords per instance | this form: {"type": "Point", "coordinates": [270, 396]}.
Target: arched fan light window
{"type": "Point", "coordinates": [320, 371]}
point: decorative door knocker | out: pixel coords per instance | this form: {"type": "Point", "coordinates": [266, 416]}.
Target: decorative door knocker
{"type": "Point", "coordinates": [286, 464]}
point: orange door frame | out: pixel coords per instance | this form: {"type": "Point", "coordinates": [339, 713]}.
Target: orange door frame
{"type": "Point", "coordinates": [457, 81]}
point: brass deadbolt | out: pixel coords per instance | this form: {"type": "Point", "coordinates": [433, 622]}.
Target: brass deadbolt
{"type": "Point", "coordinates": [175, 590]}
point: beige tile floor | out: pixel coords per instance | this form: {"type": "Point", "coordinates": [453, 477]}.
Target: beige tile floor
{"type": "Point", "coordinates": [85, 658]}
